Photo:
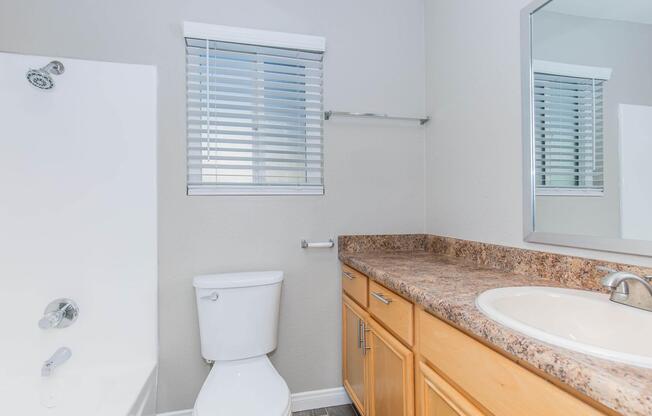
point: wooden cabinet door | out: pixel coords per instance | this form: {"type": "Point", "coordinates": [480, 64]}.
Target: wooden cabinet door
{"type": "Point", "coordinates": [435, 397]}
{"type": "Point", "coordinates": [354, 366]}
{"type": "Point", "coordinates": [391, 374]}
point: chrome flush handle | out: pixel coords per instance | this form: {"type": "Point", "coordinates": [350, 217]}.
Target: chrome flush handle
{"type": "Point", "coordinates": [213, 297]}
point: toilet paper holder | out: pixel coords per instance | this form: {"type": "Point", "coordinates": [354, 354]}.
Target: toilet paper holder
{"type": "Point", "coordinates": [322, 244]}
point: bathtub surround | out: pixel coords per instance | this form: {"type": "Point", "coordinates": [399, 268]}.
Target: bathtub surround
{"type": "Point", "coordinates": [445, 276]}
{"type": "Point", "coordinates": [78, 214]}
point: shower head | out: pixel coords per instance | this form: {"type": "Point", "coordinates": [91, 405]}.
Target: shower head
{"type": "Point", "coordinates": [42, 78]}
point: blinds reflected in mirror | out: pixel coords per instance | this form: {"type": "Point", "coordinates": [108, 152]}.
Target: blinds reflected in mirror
{"type": "Point", "coordinates": [254, 119]}
{"type": "Point", "coordinates": [568, 133]}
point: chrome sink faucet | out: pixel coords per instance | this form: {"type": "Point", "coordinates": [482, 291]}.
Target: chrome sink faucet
{"type": "Point", "coordinates": [628, 288]}
{"type": "Point", "coordinates": [62, 355]}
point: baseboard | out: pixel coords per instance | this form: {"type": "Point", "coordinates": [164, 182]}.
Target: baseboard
{"type": "Point", "coordinates": [306, 400]}
{"type": "Point", "coordinates": [177, 413]}
{"type": "Point", "coordinates": [317, 399]}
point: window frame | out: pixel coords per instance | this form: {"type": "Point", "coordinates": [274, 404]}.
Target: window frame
{"type": "Point", "coordinates": [258, 38]}
{"type": "Point", "coordinates": [574, 71]}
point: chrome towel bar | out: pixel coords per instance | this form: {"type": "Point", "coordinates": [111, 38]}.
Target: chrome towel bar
{"type": "Point", "coordinates": [329, 114]}
{"type": "Point", "coordinates": [324, 244]}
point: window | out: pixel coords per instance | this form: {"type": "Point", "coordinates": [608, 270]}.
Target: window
{"type": "Point", "coordinates": [568, 131]}
{"type": "Point", "coordinates": [254, 112]}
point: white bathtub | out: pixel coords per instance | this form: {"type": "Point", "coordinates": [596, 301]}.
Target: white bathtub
{"type": "Point", "coordinates": [102, 390]}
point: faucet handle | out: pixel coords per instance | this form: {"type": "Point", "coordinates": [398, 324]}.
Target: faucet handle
{"type": "Point", "coordinates": [51, 319]}
{"type": "Point", "coordinates": [60, 313]}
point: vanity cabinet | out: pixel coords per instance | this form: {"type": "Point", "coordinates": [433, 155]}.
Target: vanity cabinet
{"type": "Point", "coordinates": [399, 360]}
{"type": "Point", "coordinates": [436, 397]}
{"type": "Point", "coordinates": [392, 310]}
{"type": "Point", "coordinates": [377, 367]}
{"type": "Point", "coordinates": [354, 360]}
{"type": "Point", "coordinates": [391, 377]}
{"type": "Point", "coordinates": [378, 370]}
{"type": "Point", "coordinates": [355, 284]}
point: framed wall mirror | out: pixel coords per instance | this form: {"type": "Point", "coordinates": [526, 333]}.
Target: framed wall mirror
{"type": "Point", "coordinates": [587, 117]}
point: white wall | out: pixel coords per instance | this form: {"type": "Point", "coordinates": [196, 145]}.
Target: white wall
{"type": "Point", "coordinates": [374, 171]}
{"type": "Point", "coordinates": [474, 145]}
{"type": "Point", "coordinates": [78, 221]}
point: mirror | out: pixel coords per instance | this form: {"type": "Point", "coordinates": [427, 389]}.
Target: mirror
{"type": "Point", "coordinates": [588, 146]}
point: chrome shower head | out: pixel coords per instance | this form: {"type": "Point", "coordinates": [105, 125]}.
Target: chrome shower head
{"type": "Point", "coordinates": [42, 78]}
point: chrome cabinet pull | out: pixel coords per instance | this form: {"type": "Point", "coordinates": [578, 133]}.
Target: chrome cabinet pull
{"type": "Point", "coordinates": [348, 275]}
{"type": "Point", "coordinates": [381, 298]}
{"type": "Point", "coordinates": [364, 339]}
{"type": "Point", "coordinates": [360, 335]}
{"type": "Point", "coordinates": [213, 297]}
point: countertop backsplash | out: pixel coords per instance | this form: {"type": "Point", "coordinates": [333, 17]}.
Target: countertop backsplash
{"type": "Point", "coordinates": [570, 271]}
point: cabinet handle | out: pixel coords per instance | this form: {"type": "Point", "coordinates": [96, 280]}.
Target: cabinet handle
{"type": "Point", "coordinates": [381, 298]}
{"type": "Point", "coordinates": [348, 275]}
{"type": "Point", "coordinates": [359, 333]}
{"type": "Point", "coordinates": [364, 339]}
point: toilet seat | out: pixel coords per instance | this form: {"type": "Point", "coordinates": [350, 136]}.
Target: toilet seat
{"type": "Point", "coordinates": [250, 387]}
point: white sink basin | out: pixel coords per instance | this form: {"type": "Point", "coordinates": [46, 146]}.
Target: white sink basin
{"type": "Point", "coordinates": [574, 319]}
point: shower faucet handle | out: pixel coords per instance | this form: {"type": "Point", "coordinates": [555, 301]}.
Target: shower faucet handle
{"type": "Point", "coordinates": [60, 313]}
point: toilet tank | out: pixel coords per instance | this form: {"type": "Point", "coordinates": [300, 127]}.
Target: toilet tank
{"type": "Point", "coordinates": [238, 314]}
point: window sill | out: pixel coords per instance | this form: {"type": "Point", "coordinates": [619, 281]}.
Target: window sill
{"type": "Point", "coordinates": [570, 192]}
{"type": "Point", "coordinates": [216, 190]}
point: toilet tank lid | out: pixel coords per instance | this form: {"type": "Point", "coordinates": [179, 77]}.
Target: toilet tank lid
{"type": "Point", "coordinates": [235, 280]}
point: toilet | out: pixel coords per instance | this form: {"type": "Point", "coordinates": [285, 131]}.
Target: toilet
{"type": "Point", "coordinates": [238, 325]}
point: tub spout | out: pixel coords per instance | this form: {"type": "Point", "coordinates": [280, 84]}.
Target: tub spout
{"type": "Point", "coordinates": [62, 355]}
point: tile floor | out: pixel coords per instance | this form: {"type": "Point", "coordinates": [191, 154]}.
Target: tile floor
{"type": "Point", "coordinates": [346, 410]}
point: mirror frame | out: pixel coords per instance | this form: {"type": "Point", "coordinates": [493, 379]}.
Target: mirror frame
{"type": "Point", "coordinates": [616, 245]}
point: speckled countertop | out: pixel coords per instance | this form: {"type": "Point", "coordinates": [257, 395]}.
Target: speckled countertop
{"type": "Point", "coordinates": [447, 287]}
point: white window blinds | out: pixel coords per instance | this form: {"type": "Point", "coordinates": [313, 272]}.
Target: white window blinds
{"type": "Point", "coordinates": [568, 133]}
{"type": "Point", "coordinates": [254, 119]}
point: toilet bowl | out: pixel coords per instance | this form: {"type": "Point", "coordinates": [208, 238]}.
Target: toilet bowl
{"type": "Point", "coordinates": [238, 325]}
{"type": "Point", "coordinates": [243, 388]}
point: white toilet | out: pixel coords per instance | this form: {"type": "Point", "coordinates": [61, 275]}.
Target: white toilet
{"type": "Point", "coordinates": [238, 324]}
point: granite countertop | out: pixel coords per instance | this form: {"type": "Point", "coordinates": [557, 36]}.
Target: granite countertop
{"type": "Point", "coordinates": [447, 287]}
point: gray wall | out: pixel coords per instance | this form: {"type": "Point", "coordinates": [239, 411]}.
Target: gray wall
{"type": "Point", "coordinates": [474, 145]}
{"type": "Point", "coordinates": [602, 43]}
{"type": "Point", "coordinates": [374, 171]}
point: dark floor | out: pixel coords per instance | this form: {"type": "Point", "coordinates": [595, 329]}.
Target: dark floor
{"type": "Point", "coordinates": [346, 410]}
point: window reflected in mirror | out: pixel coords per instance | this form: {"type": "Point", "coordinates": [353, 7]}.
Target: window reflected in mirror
{"type": "Point", "coordinates": [591, 74]}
